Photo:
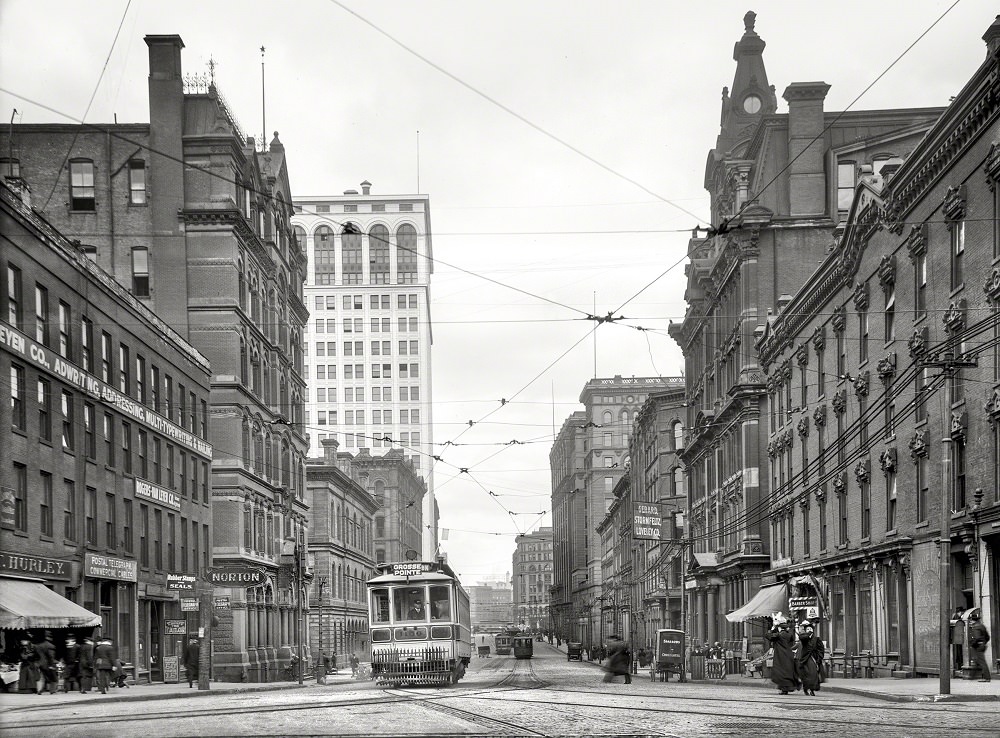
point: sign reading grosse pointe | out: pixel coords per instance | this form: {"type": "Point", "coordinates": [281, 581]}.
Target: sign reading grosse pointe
{"type": "Point", "coordinates": [237, 576]}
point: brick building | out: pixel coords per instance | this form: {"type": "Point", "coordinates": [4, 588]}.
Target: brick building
{"type": "Point", "coordinates": [780, 187]}
{"type": "Point", "coordinates": [342, 511]}
{"type": "Point", "coordinates": [193, 218]}
{"type": "Point", "coordinates": [862, 390]}
{"type": "Point", "coordinates": [105, 480]}
{"type": "Point", "coordinates": [531, 578]}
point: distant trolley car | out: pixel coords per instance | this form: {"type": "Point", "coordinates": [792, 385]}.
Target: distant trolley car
{"type": "Point", "coordinates": [502, 644]}
{"type": "Point", "coordinates": [523, 646]}
{"type": "Point", "coordinates": [420, 624]}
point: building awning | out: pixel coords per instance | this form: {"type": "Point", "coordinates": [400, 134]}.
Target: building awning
{"type": "Point", "coordinates": [28, 603]}
{"type": "Point", "coordinates": [768, 600]}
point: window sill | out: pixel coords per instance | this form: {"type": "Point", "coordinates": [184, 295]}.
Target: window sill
{"type": "Point", "coordinates": [890, 533]}
{"type": "Point", "coordinates": [956, 290]}
{"type": "Point", "coordinates": [45, 442]}
{"type": "Point", "coordinates": [866, 539]}
{"type": "Point", "coordinates": [18, 431]}
{"type": "Point", "coordinates": [921, 526]}
{"type": "Point", "coordinates": [920, 318]}
{"type": "Point", "coordinates": [841, 546]}
{"type": "Point", "coordinates": [956, 515]}
{"type": "Point", "coordinates": [19, 533]}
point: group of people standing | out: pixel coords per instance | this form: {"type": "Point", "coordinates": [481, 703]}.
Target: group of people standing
{"type": "Point", "coordinates": [798, 656]}
{"type": "Point", "coordinates": [81, 663]}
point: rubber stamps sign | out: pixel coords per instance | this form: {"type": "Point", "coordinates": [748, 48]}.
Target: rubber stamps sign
{"type": "Point", "coordinates": [237, 576]}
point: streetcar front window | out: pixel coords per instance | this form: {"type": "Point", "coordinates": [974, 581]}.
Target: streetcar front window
{"type": "Point", "coordinates": [380, 605]}
{"type": "Point", "coordinates": [410, 604]}
{"type": "Point", "coordinates": [440, 603]}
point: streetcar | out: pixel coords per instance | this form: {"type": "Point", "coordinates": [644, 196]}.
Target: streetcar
{"type": "Point", "coordinates": [502, 644]}
{"type": "Point", "coordinates": [523, 646]}
{"type": "Point", "coordinates": [420, 624]}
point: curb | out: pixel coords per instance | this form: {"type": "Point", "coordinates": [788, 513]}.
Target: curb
{"type": "Point", "coordinates": [884, 696]}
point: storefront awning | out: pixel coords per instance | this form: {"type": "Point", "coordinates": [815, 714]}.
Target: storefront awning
{"type": "Point", "coordinates": [768, 600]}
{"type": "Point", "coordinates": [28, 603]}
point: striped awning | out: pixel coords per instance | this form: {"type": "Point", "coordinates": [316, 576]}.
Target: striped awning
{"type": "Point", "coordinates": [768, 600]}
{"type": "Point", "coordinates": [27, 604]}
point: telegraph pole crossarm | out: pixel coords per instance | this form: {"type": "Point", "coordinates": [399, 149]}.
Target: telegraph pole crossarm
{"type": "Point", "coordinates": [948, 363]}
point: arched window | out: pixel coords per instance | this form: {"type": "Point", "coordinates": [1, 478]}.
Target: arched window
{"type": "Point", "coordinates": [324, 259]}
{"type": "Point", "coordinates": [406, 254]}
{"type": "Point", "coordinates": [607, 418]}
{"type": "Point", "coordinates": [678, 428]}
{"type": "Point", "coordinates": [679, 486]}
{"type": "Point", "coordinates": [378, 255]}
{"type": "Point", "coordinates": [299, 234]}
{"type": "Point", "coordinates": [351, 254]}
{"type": "Point", "coordinates": [267, 456]}
{"type": "Point", "coordinates": [246, 444]}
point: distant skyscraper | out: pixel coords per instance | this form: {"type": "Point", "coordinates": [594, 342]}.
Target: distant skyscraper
{"type": "Point", "coordinates": [368, 341]}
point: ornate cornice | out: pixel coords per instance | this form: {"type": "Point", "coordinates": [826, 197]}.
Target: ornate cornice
{"type": "Point", "coordinates": [956, 203]}
{"type": "Point", "coordinates": [887, 272]}
{"type": "Point", "coordinates": [918, 444]}
{"type": "Point", "coordinates": [802, 354]}
{"type": "Point", "coordinates": [840, 485]}
{"type": "Point", "coordinates": [839, 401]}
{"type": "Point", "coordinates": [954, 316]}
{"type": "Point", "coordinates": [802, 427]}
{"type": "Point", "coordinates": [887, 460]}
{"type": "Point", "coordinates": [916, 241]}
{"type": "Point", "coordinates": [861, 296]}
{"type": "Point", "coordinates": [861, 384]}
{"type": "Point", "coordinates": [862, 471]}
{"type": "Point", "coordinates": [819, 416]}
{"type": "Point", "coordinates": [886, 368]}
{"type": "Point", "coordinates": [819, 338]}
{"type": "Point", "coordinates": [819, 492]}
{"type": "Point", "coordinates": [959, 425]}
{"type": "Point", "coordinates": [992, 286]}
{"type": "Point", "coordinates": [839, 320]}
{"type": "Point", "coordinates": [917, 343]}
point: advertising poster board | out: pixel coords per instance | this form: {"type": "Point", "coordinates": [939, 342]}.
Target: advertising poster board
{"type": "Point", "coordinates": [171, 670]}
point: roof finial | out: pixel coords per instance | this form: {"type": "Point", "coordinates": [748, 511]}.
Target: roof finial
{"type": "Point", "coordinates": [211, 69]}
{"type": "Point", "coordinates": [748, 21]}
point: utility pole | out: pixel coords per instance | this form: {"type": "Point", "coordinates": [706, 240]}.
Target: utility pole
{"type": "Point", "coordinates": [300, 555]}
{"type": "Point", "coordinates": [949, 364]}
{"type": "Point", "coordinates": [206, 614]}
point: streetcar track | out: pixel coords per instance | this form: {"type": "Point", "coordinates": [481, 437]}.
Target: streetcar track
{"type": "Point", "coordinates": [521, 670]}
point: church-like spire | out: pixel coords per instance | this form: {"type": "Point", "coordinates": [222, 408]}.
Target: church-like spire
{"type": "Point", "coordinates": [751, 96]}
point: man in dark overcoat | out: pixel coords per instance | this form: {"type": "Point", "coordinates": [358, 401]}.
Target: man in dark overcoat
{"type": "Point", "coordinates": [71, 676]}
{"type": "Point", "coordinates": [47, 679]}
{"type": "Point", "coordinates": [978, 638]}
{"type": "Point", "coordinates": [192, 661]}
{"type": "Point", "coordinates": [104, 663]}
{"type": "Point", "coordinates": [87, 665]}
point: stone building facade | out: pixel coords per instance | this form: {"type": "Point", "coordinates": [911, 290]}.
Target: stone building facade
{"type": "Point", "coordinates": [194, 219]}
{"type": "Point", "coordinates": [780, 187]}
{"type": "Point", "coordinates": [531, 578]}
{"type": "Point", "coordinates": [888, 348]}
{"type": "Point", "coordinates": [105, 481]}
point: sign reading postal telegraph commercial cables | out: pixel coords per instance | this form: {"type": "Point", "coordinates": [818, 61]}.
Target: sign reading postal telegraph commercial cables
{"type": "Point", "coordinates": [52, 362]}
{"type": "Point", "coordinates": [647, 522]}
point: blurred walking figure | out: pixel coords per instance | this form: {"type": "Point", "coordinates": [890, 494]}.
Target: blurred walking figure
{"type": "Point", "coordinates": [72, 661]}
{"type": "Point", "coordinates": [86, 665]}
{"type": "Point", "coordinates": [618, 660]}
{"type": "Point", "coordinates": [192, 661]}
{"type": "Point", "coordinates": [782, 640]}
{"type": "Point", "coordinates": [104, 663]}
{"type": "Point", "coordinates": [809, 659]}
{"type": "Point", "coordinates": [47, 679]}
{"type": "Point", "coordinates": [978, 638]}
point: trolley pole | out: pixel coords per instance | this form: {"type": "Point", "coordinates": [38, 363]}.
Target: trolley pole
{"type": "Point", "coordinates": [949, 364]}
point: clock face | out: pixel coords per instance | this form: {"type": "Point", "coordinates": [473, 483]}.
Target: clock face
{"type": "Point", "coordinates": [751, 104]}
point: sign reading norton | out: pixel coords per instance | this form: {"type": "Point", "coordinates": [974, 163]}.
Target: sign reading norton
{"type": "Point", "coordinates": [237, 576]}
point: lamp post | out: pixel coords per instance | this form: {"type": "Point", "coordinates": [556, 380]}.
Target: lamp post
{"type": "Point", "coordinates": [319, 629]}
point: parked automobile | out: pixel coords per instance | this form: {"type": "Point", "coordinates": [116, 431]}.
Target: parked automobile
{"type": "Point", "coordinates": [574, 651]}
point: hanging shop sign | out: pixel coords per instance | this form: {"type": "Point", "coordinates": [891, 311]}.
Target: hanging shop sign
{"type": "Point", "coordinates": [801, 603]}
{"type": "Point", "coordinates": [98, 566]}
{"type": "Point", "coordinates": [38, 566]}
{"type": "Point", "coordinates": [175, 627]}
{"type": "Point", "coordinates": [181, 582]}
{"type": "Point", "coordinates": [189, 604]}
{"type": "Point", "coordinates": [155, 494]}
{"type": "Point", "coordinates": [222, 603]}
{"type": "Point", "coordinates": [647, 521]}
{"type": "Point", "coordinates": [237, 576]}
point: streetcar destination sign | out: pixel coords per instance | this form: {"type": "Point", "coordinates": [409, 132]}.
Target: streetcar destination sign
{"type": "Point", "coordinates": [412, 569]}
{"type": "Point", "coordinates": [237, 576]}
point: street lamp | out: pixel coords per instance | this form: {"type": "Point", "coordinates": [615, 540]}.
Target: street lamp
{"type": "Point", "coordinates": [319, 656]}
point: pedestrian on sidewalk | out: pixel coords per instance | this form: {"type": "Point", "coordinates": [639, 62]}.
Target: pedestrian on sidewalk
{"type": "Point", "coordinates": [87, 665]}
{"type": "Point", "coordinates": [978, 638]}
{"type": "Point", "coordinates": [28, 676]}
{"type": "Point", "coordinates": [809, 659]}
{"type": "Point", "coordinates": [47, 679]}
{"type": "Point", "coordinates": [71, 679]}
{"type": "Point", "coordinates": [782, 640]}
{"type": "Point", "coordinates": [104, 663]}
{"type": "Point", "coordinates": [619, 660]}
{"type": "Point", "coordinates": [192, 661]}
{"type": "Point", "coordinates": [355, 663]}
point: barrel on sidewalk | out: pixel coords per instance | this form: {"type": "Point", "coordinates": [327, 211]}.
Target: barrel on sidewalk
{"type": "Point", "coordinates": [697, 663]}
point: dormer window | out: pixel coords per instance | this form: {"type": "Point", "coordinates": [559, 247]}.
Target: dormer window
{"type": "Point", "coordinates": [846, 180]}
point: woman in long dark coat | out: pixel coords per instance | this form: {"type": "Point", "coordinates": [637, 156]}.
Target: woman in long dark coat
{"type": "Point", "coordinates": [808, 659]}
{"type": "Point", "coordinates": [782, 640]}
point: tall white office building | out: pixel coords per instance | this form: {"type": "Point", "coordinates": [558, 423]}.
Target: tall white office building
{"type": "Point", "coordinates": [368, 340]}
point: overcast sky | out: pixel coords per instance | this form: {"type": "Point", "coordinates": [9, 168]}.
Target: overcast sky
{"type": "Point", "coordinates": [562, 144]}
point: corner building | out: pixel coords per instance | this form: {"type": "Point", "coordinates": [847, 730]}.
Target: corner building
{"type": "Point", "coordinates": [106, 482]}
{"type": "Point", "coordinates": [193, 218]}
{"type": "Point", "coordinates": [863, 474]}
{"type": "Point", "coordinates": [368, 344]}
{"type": "Point", "coordinates": [780, 185]}
{"type": "Point", "coordinates": [531, 578]}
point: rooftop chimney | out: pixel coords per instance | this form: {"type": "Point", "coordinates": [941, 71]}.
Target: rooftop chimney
{"type": "Point", "coordinates": [330, 450]}
{"type": "Point", "coordinates": [366, 187]}
{"type": "Point", "coordinates": [806, 181]}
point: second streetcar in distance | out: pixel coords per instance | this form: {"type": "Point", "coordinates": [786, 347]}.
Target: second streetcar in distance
{"type": "Point", "coordinates": [420, 624]}
{"type": "Point", "coordinates": [523, 646]}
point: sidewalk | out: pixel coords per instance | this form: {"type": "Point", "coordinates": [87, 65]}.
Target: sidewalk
{"type": "Point", "coordinates": [160, 691]}
{"type": "Point", "coordinates": [890, 690]}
